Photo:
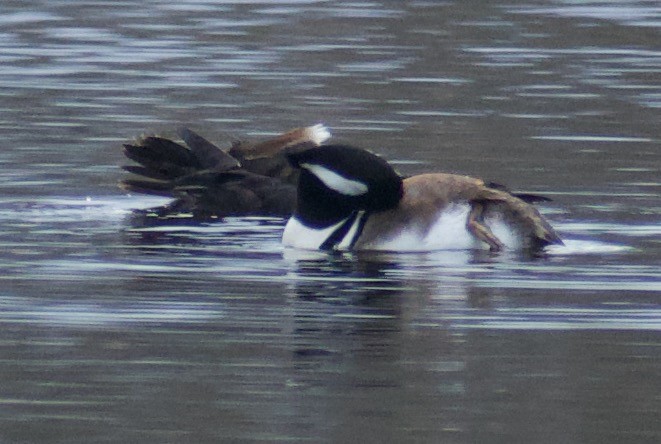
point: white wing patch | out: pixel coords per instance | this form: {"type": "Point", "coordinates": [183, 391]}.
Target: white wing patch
{"type": "Point", "coordinates": [335, 181]}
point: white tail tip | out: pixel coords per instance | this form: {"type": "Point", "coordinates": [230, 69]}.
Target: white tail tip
{"type": "Point", "coordinates": [318, 133]}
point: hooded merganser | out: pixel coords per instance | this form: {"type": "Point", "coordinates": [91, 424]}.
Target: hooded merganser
{"type": "Point", "coordinates": [207, 182]}
{"type": "Point", "coordinates": [339, 197]}
{"type": "Point", "coordinates": [351, 199]}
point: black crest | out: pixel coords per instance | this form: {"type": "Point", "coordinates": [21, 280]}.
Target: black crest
{"type": "Point", "coordinates": [338, 180]}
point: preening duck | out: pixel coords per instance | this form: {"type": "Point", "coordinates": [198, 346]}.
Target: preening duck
{"type": "Point", "coordinates": [248, 179]}
{"type": "Point", "coordinates": [351, 199]}
{"type": "Point", "coordinates": [339, 197]}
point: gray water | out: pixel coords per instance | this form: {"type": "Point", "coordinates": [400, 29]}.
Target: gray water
{"type": "Point", "coordinates": [113, 331]}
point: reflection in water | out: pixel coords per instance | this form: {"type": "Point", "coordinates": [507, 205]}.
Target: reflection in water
{"type": "Point", "coordinates": [120, 329]}
{"type": "Point", "coordinates": [217, 323]}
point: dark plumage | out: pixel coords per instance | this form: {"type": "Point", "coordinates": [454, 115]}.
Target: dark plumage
{"type": "Point", "coordinates": [317, 204]}
{"type": "Point", "coordinates": [206, 181]}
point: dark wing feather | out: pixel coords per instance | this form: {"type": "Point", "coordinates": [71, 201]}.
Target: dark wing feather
{"type": "Point", "coordinates": [144, 186]}
{"type": "Point", "coordinates": [526, 197]}
{"type": "Point", "coordinates": [207, 154]}
{"type": "Point", "coordinates": [532, 198]}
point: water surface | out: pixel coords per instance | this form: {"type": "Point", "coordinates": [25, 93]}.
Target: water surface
{"type": "Point", "coordinates": [114, 330]}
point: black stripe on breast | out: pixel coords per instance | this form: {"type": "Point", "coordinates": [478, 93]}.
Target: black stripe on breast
{"type": "Point", "coordinates": [338, 235]}
{"type": "Point", "coordinates": [359, 229]}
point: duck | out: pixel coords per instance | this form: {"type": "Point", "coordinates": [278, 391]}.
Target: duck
{"type": "Point", "coordinates": [335, 197]}
{"type": "Point", "coordinates": [348, 198]}
{"type": "Point", "coordinates": [250, 178]}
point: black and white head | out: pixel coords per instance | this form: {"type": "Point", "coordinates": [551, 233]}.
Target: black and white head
{"type": "Point", "coordinates": [338, 180]}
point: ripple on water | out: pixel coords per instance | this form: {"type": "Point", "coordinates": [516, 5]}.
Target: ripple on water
{"type": "Point", "coordinates": [627, 13]}
{"type": "Point", "coordinates": [141, 313]}
{"type": "Point", "coordinates": [115, 328]}
{"type": "Point", "coordinates": [247, 252]}
{"type": "Point", "coordinates": [568, 318]}
{"type": "Point", "coordinates": [573, 246]}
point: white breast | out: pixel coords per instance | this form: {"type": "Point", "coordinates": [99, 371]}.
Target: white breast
{"type": "Point", "coordinates": [447, 233]}
{"type": "Point", "coordinates": [298, 235]}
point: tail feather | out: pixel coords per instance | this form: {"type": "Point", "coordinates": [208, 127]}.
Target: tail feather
{"type": "Point", "coordinates": [207, 154]}
{"type": "Point", "coordinates": [162, 162]}
{"type": "Point", "coordinates": [152, 187]}
{"type": "Point", "coordinates": [526, 197]}
{"type": "Point", "coordinates": [203, 178]}
{"type": "Point", "coordinates": [164, 166]}
{"type": "Point", "coordinates": [160, 149]}
{"type": "Point", "coordinates": [146, 172]}
{"type": "Point", "coordinates": [532, 198]}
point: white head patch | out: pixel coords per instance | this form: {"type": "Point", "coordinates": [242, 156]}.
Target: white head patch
{"type": "Point", "coordinates": [335, 181]}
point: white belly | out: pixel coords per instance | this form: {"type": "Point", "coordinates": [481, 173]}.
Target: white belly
{"type": "Point", "coordinates": [447, 233]}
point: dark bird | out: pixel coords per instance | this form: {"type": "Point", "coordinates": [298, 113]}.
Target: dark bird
{"type": "Point", "coordinates": [249, 179]}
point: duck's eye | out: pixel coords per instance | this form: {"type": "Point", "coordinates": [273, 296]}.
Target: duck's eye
{"type": "Point", "coordinates": [335, 181]}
